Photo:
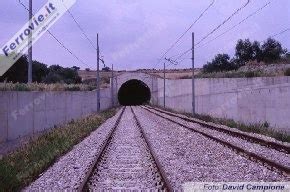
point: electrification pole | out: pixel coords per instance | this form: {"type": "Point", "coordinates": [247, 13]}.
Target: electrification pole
{"type": "Point", "coordinates": [116, 88]}
{"type": "Point", "coordinates": [29, 80]}
{"type": "Point", "coordinates": [98, 74]}
{"type": "Point", "coordinates": [164, 85]}
{"type": "Point", "coordinates": [172, 62]}
{"type": "Point", "coordinates": [193, 83]}
{"type": "Point", "coordinates": [152, 90]}
{"type": "Point", "coordinates": [112, 86]}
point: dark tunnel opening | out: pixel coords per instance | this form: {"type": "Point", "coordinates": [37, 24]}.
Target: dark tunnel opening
{"type": "Point", "coordinates": [134, 92]}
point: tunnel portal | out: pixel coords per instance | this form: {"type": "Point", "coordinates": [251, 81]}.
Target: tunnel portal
{"type": "Point", "coordinates": [134, 92]}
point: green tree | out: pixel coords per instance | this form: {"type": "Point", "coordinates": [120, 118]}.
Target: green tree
{"type": "Point", "coordinates": [18, 72]}
{"type": "Point", "coordinates": [272, 50]}
{"type": "Point", "coordinates": [76, 68]}
{"type": "Point", "coordinates": [244, 51]}
{"type": "Point", "coordinates": [257, 51]}
{"type": "Point", "coordinates": [39, 71]}
{"type": "Point", "coordinates": [221, 62]}
{"type": "Point", "coordinates": [247, 51]}
{"type": "Point", "coordinates": [53, 77]}
{"type": "Point", "coordinates": [58, 74]}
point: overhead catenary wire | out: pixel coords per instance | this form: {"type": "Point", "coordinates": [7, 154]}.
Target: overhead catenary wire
{"type": "Point", "coordinates": [186, 31]}
{"type": "Point", "coordinates": [236, 25]}
{"type": "Point", "coordinates": [81, 29]}
{"type": "Point", "coordinates": [67, 49]}
{"type": "Point", "coordinates": [280, 33]}
{"type": "Point", "coordinates": [231, 28]}
{"type": "Point", "coordinates": [271, 36]}
{"type": "Point", "coordinates": [181, 60]}
{"type": "Point", "coordinates": [84, 34]}
{"type": "Point", "coordinates": [216, 28]}
{"type": "Point", "coordinates": [225, 21]}
{"type": "Point", "coordinates": [59, 42]}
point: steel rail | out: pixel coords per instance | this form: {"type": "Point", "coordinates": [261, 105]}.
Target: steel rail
{"type": "Point", "coordinates": [253, 139]}
{"type": "Point", "coordinates": [274, 166]}
{"type": "Point", "coordinates": [105, 144]}
{"type": "Point", "coordinates": [153, 154]}
{"type": "Point", "coordinates": [98, 157]}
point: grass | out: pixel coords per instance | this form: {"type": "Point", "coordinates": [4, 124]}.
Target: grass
{"type": "Point", "coordinates": [227, 74]}
{"type": "Point", "coordinates": [263, 128]}
{"type": "Point", "coordinates": [23, 166]}
{"type": "Point", "coordinates": [45, 87]}
{"type": "Point", "coordinates": [233, 74]}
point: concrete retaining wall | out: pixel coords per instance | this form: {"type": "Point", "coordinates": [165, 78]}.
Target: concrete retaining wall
{"type": "Point", "coordinates": [27, 113]}
{"type": "Point", "coordinates": [249, 100]}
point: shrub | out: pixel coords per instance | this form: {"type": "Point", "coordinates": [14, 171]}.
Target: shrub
{"type": "Point", "coordinates": [251, 74]}
{"type": "Point", "coordinates": [272, 50]}
{"type": "Point", "coordinates": [246, 52]}
{"type": "Point", "coordinates": [231, 74]}
{"type": "Point", "coordinates": [186, 77]}
{"type": "Point", "coordinates": [41, 73]}
{"type": "Point", "coordinates": [263, 128]}
{"type": "Point", "coordinates": [45, 87]}
{"type": "Point", "coordinates": [221, 62]}
{"type": "Point", "coordinates": [21, 87]}
{"type": "Point", "coordinates": [287, 72]}
{"type": "Point", "coordinates": [74, 88]}
{"type": "Point", "coordinates": [266, 124]}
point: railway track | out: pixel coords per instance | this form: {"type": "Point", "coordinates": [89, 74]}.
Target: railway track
{"type": "Point", "coordinates": [245, 136]}
{"type": "Point", "coordinates": [145, 149]}
{"type": "Point", "coordinates": [221, 136]}
{"type": "Point", "coordinates": [127, 160]}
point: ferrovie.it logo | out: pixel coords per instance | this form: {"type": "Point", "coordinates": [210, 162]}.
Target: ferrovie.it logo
{"type": "Point", "coordinates": [31, 32]}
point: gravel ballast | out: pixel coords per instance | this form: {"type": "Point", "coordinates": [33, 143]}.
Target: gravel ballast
{"type": "Point", "coordinates": [70, 170]}
{"type": "Point", "coordinates": [190, 157]}
{"type": "Point", "coordinates": [269, 153]}
{"type": "Point", "coordinates": [185, 156]}
{"type": "Point", "coordinates": [126, 162]}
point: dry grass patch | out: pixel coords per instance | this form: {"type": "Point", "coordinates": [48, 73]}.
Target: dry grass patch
{"type": "Point", "coordinates": [45, 87]}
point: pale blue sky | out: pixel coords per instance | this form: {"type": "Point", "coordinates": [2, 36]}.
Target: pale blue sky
{"type": "Point", "coordinates": [134, 34]}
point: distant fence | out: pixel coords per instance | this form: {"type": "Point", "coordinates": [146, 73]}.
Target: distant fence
{"type": "Point", "coordinates": [27, 113]}
{"type": "Point", "coordinates": [249, 100]}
